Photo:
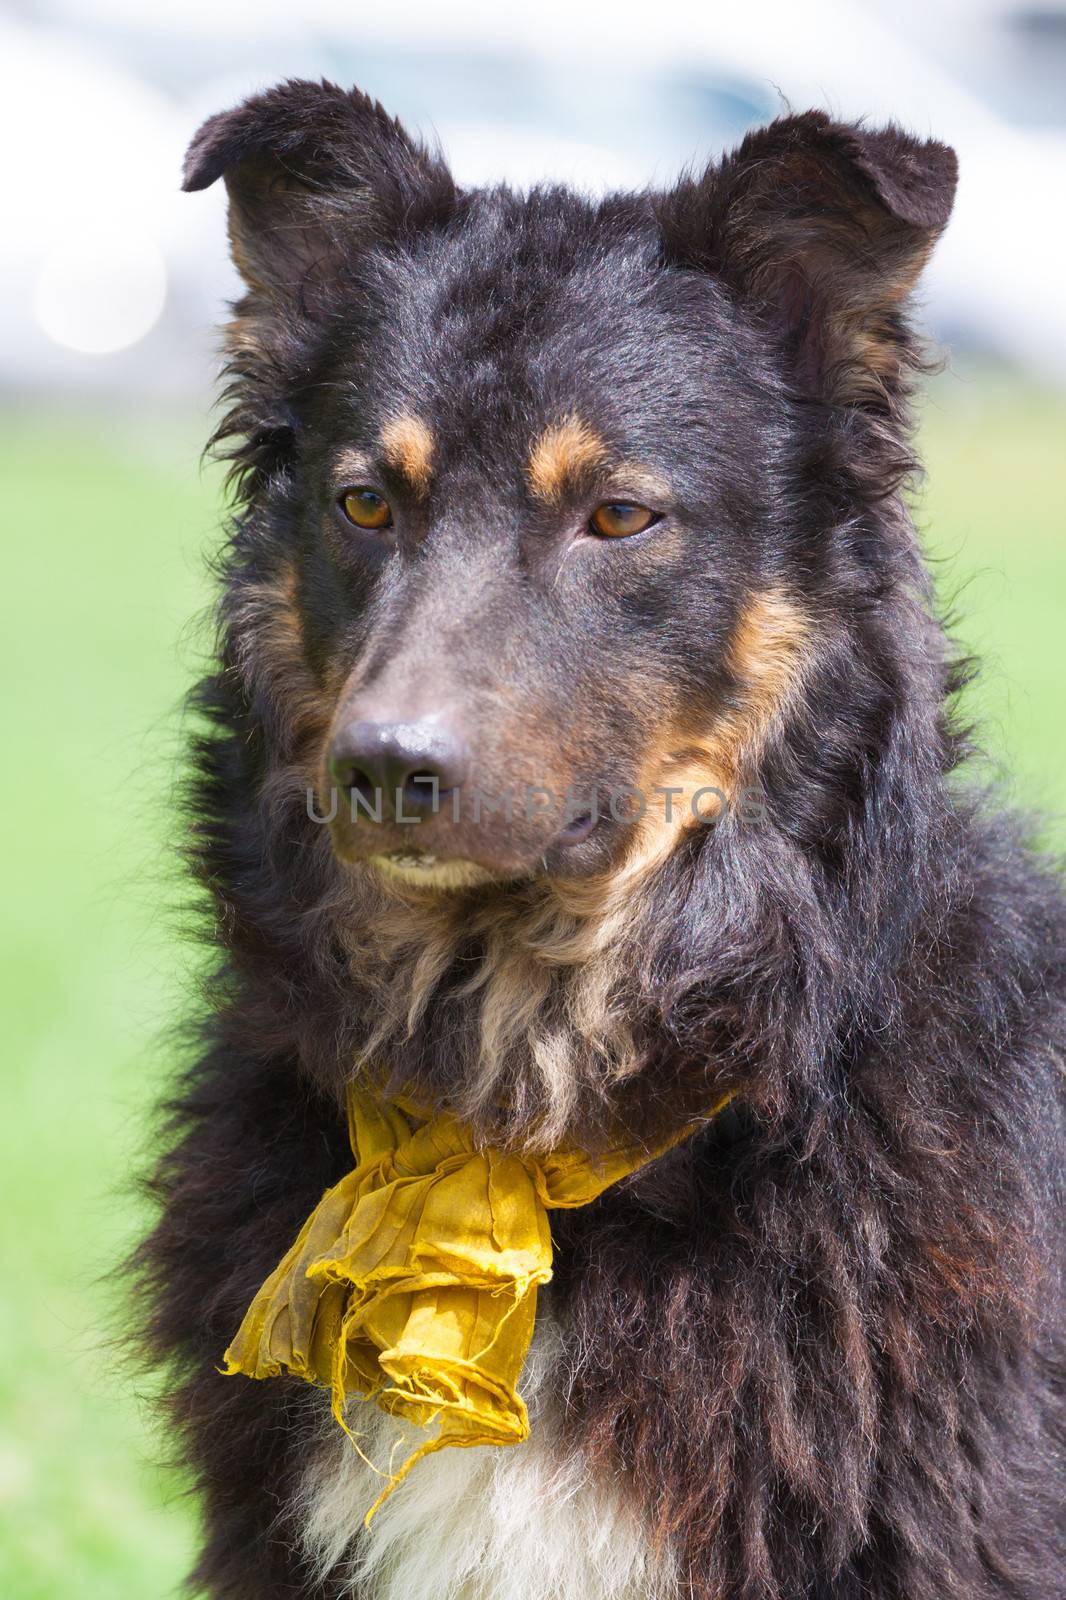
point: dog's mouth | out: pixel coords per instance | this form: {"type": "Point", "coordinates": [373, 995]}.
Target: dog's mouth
{"type": "Point", "coordinates": [409, 860]}
{"type": "Point", "coordinates": [437, 869]}
{"type": "Point", "coordinates": [424, 869]}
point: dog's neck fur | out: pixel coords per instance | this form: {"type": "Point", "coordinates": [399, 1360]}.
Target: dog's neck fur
{"type": "Point", "coordinates": [527, 988]}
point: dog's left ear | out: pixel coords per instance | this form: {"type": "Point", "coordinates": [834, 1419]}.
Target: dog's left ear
{"type": "Point", "coordinates": [314, 174]}
{"type": "Point", "coordinates": [824, 228]}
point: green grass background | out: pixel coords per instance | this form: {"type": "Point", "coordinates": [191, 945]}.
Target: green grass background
{"type": "Point", "coordinates": [106, 522]}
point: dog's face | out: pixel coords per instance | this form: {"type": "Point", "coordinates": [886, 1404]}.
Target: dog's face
{"type": "Point", "coordinates": [531, 487]}
{"type": "Point", "coordinates": [526, 543]}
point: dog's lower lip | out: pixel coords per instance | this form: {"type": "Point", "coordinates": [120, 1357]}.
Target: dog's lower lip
{"type": "Point", "coordinates": [577, 831]}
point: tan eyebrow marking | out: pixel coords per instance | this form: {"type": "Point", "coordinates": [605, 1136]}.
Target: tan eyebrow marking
{"type": "Point", "coordinates": [562, 452]}
{"type": "Point", "coordinates": [407, 445]}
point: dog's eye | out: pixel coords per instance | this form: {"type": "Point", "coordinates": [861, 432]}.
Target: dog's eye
{"type": "Point", "coordinates": [617, 519]}
{"type": "Point", "coordinates": [366, 508]}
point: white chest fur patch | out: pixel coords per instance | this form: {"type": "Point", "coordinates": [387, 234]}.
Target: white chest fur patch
{"type": "Point", "coordinates": [521, 1522]}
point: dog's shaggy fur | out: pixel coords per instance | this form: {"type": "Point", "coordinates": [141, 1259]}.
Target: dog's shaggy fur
{"type": "Point", "coordinates": [816, 1353]}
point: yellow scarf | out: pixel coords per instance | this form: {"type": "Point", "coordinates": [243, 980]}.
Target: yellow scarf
{"type": "Point", "coordinates": [414, 1280]}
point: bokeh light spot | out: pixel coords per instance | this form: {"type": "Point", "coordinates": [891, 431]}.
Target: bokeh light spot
{"type": "Point", "coordinates": [101, 291]}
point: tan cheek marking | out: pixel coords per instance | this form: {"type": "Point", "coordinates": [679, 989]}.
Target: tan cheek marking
{"type": "Point", "coordinates": [271, 655]}
{"type": "Point", "coordinates": [407, 445]}
{"type": "Point", "coordinates": [270, 633]}
{"type": "Point", "coordinates": [768, 653]}
{"type": "Point", "coordinates": [766, 656]}
{"type": "Point", "coordinates": [562, 452]}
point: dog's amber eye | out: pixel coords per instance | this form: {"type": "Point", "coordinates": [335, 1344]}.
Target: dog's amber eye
{"type": "Point", "coordinates": [617, 519]}
{"type": "Point", "coordinates": [366, 508]}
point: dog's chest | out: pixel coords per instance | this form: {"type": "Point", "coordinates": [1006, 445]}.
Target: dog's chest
{"type": "Point", "coordinates": [522, 1522]}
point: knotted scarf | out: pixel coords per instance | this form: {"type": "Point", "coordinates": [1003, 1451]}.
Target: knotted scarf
{"type": "Point", "coordinates": [414, 1280]}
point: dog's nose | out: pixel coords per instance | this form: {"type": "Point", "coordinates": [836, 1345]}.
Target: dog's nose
{"type": "Point", "coordinates": [394, 765]}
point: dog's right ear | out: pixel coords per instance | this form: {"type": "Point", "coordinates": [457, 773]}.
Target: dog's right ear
{"type": "Point", "coordinates": [313, 171]}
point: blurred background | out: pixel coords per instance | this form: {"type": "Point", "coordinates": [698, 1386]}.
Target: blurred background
{"type": "Point", "coordinates": [111, 286]}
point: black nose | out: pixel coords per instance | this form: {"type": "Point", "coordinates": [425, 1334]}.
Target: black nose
{"type": "Point", "coordinates": [391, 766]}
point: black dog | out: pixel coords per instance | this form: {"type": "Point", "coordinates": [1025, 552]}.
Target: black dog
{"type": "Point", "coordinates": [571, 558]}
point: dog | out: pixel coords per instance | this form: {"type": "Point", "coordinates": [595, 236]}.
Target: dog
{"type": "Point", "coordinates": [581, 763]}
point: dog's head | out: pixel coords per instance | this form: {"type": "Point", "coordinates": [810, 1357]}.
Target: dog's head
{"type": "Point", "coordinates": [543, 487]}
